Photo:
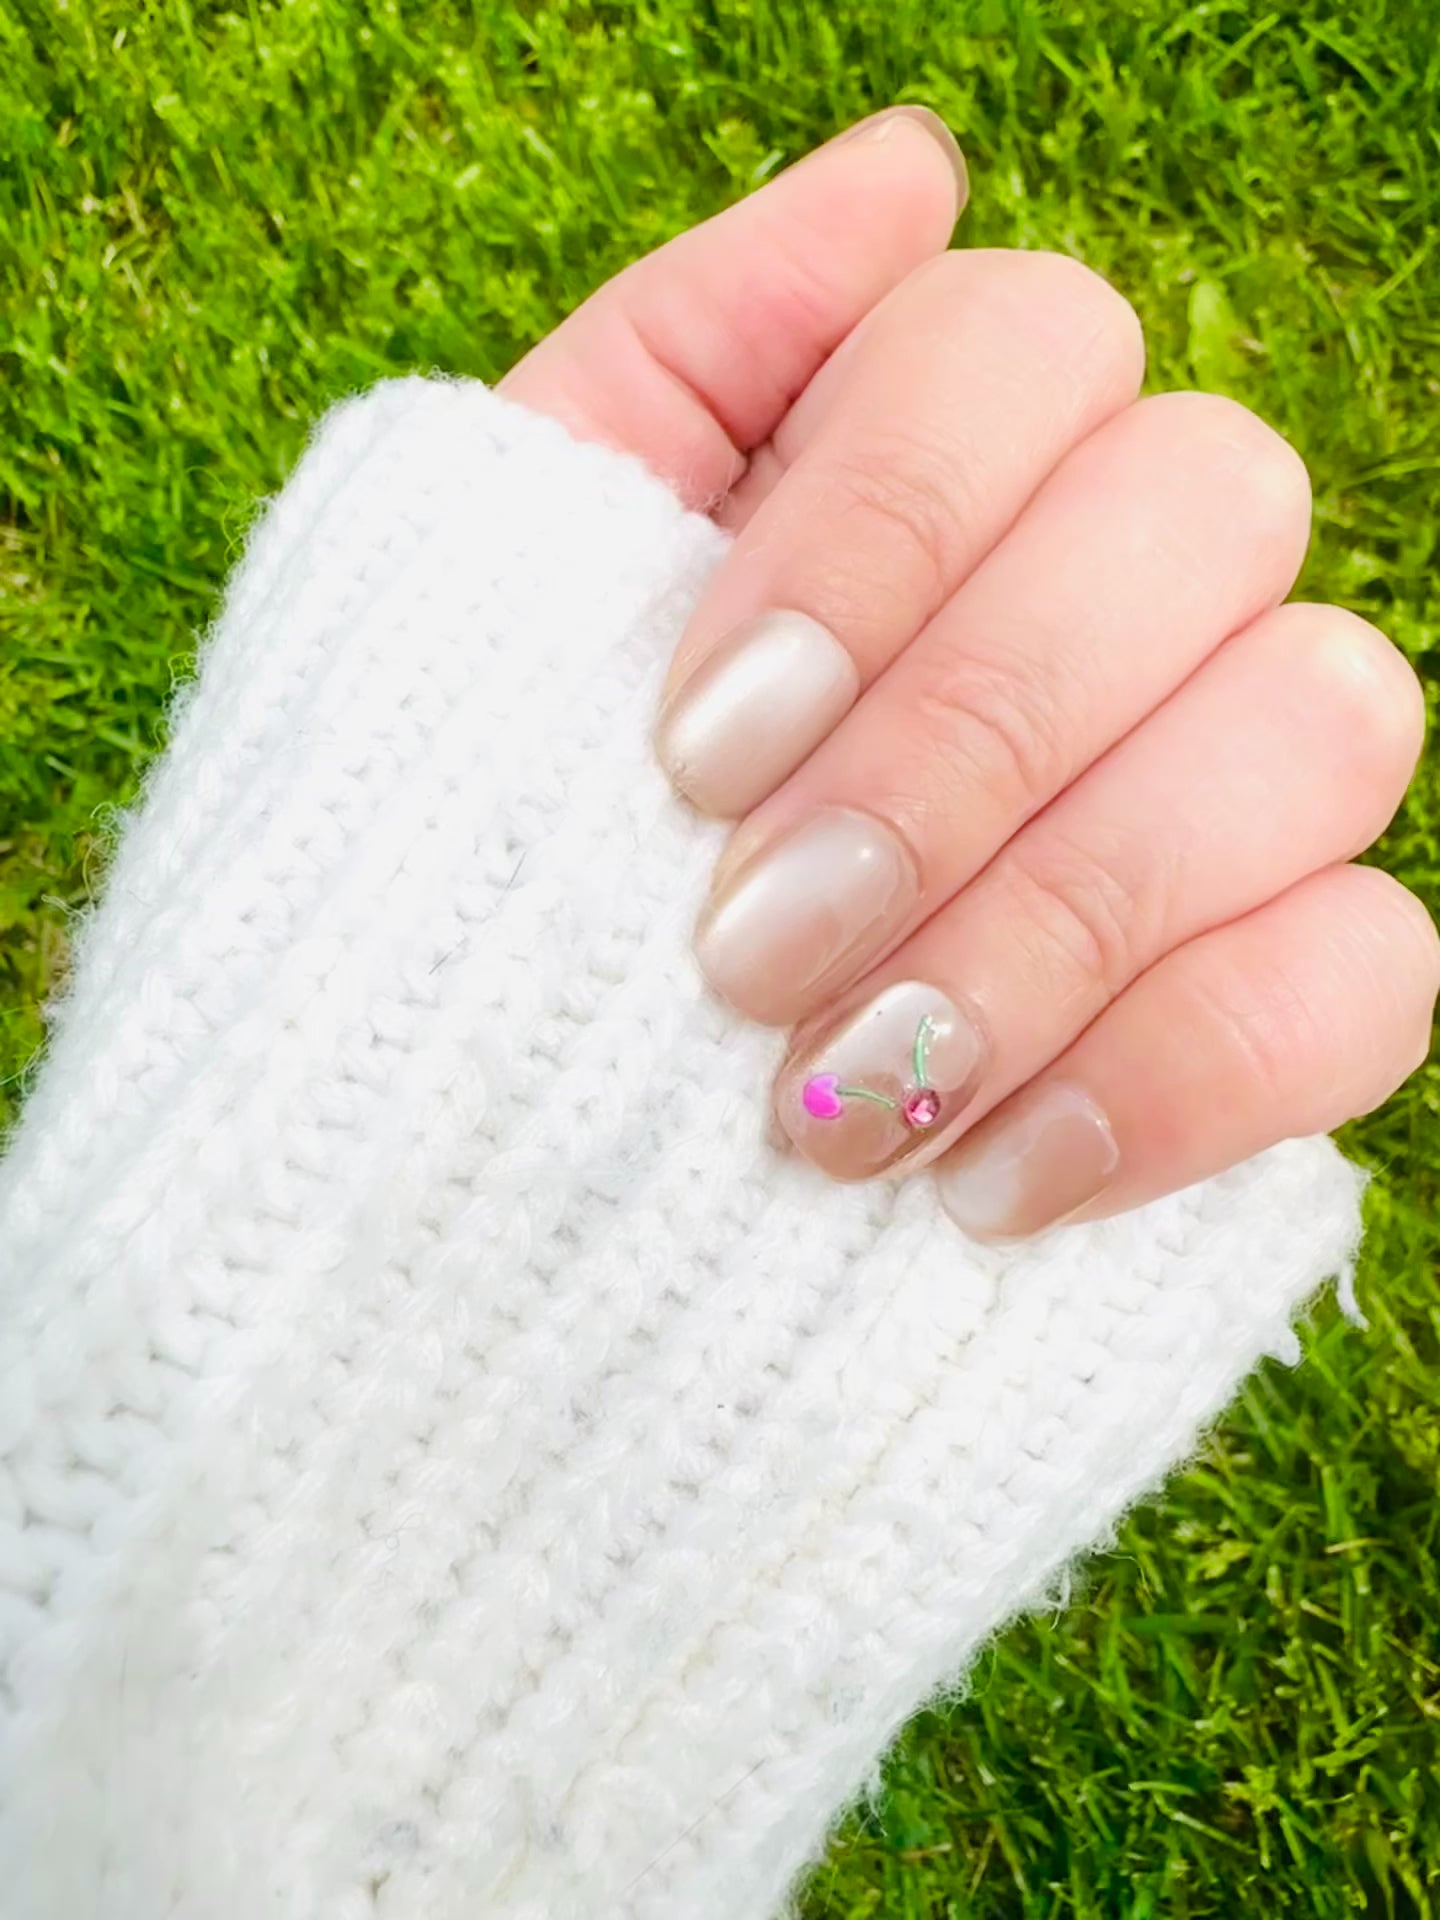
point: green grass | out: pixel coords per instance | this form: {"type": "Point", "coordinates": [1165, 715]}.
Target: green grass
{"type": "Point", "coordinates": [212, 222]}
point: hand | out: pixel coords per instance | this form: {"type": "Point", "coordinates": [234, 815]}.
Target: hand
{"type": "Point", "coordinates": [1046, 801]}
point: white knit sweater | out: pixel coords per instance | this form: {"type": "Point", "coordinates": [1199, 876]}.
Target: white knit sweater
{"type": "Point", "coordinates": [453, 1464]}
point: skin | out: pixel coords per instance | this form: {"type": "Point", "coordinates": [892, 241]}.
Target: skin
{"type": "Point", "coordinates": [1123, 778]}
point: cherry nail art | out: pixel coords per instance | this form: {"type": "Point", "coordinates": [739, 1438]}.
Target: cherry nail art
{"type": "Point", "coordinates": [884, 1083]}
{"type": "Point", "coordinates": [825, 1098]}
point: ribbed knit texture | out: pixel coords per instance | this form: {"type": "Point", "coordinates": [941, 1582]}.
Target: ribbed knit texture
{"type": "Point", "coordinates": [451, 1463]}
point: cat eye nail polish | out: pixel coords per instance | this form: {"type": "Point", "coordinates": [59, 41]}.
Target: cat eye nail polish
{"type": "Point", "coordinates": [753, 710]}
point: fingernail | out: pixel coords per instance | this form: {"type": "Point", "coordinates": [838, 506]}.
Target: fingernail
{"type": "Point", "coordinates": [884, 1086]}
{"type": "Point", "coordinates": [883, 126]}
{"type": "Point", "coordinates": [752, 710]}
{"type": "Point", "coordinates": [805, 915]}
{"type": "Point", "coordinates": [1042, 1158]}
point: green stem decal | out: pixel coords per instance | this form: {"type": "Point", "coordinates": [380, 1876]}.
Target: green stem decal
{"type": "Point", "coordinates": [866, 1093]}
{"type": "Point", "coordinates": [924, 1034]}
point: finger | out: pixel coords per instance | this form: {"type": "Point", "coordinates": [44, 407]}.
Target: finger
{"type": "Point", "coordinates": [1169, 529]}
{"type": "Point", "coordinates": [690, 357]}
{"type": "Point", "coordinates": [1287, 752]}
{"type": "Point", "coordinates": [901, 470]}
{"type": "Point", "coordinates": [1289, 1022]}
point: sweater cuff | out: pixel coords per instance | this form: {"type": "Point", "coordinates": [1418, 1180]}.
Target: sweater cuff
{"type": "Point", "coordinates": [450, 1461]}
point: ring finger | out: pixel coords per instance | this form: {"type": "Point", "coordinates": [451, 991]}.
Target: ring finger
{"type": "Point", "coordinates": [1287, 752]}
{"type": "Point", "coordinates": [1288, 1022]}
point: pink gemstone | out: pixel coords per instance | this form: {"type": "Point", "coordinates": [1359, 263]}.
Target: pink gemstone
{"type": "Point", "coordinates": [922, 1109]}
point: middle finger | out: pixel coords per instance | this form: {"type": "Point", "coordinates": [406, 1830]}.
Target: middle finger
{"type": "Point", "coordinates": [897, 469]}
{"type": "Point", "coordinates": [1172, 527]}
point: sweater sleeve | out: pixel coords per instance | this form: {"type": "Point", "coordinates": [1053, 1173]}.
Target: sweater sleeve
{"type": "Point", "coordinates": [451, 1463]}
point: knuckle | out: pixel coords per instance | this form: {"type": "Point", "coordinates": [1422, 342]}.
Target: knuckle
{"type": "Point", "coordinates": [1426, 990]}
{"type": "Point", "coordinates": [1416, 941]}
{"type": "Point", "coordinates": [994, 728]}
{"type": "Point", "coordinates": [944, 277]}
{"type": "Point", "coordinates": [1362, 702]}
{"type": "Point", "coordinates": [1398, 958]}
{"type": "Point", "coordinates": [1259, 1022]}
{"type": "Point", "coordinates": [1423, 1031]}
{"type": "Point", "coordinates": [1383, 700]}
{"type": "Point", "coordinates": [1099, 910]}
{"type": "Point", "coordinates": [1269, 480]}
{"type": "Point", "coordinates": [1086, 298]}
{"type": "Point", "coordinates": [1067, 307]}
{"type": "Point", "coordinates": [1426, 937]}
{"type": "Point", "coordinates": [908, 502]}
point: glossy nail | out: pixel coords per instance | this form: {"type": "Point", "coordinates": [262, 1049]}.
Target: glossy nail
{"type": "Point", "coordinates": [1041, 1158]}
{"type": "Point", "coordinates": [884, 125]}
{"type": "Point", "coordinates": [805, 915]}
{"type": "Point", "coordinates": [752, 711]}
{"type": "Point", "coordinates": [883, 1086]}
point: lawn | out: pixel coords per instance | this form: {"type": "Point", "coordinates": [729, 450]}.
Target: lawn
{"type": "Point", "coordinates": [212, 222]}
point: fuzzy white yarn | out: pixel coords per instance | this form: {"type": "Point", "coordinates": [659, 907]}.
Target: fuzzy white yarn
{"type": "Point", "coordinates": [452, 1464]}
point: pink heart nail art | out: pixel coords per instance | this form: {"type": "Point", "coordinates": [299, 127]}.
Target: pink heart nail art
{"type": "Point", "coordinates": [821, 1096]}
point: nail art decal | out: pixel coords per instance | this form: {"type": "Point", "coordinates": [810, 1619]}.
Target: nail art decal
{"type": "Point", "coordinates": [825, 1098]}
{"type": "Point", "coordinates": [886, 1082]}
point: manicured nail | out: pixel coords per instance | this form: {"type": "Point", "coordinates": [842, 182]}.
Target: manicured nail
{"type": "Point", "coordinates": [883, 126]}
{"type": "Point", "coordinates": [806, 915]}
{"type": "Point", "coordinates": [884, 1085]}
{"type": "Point", "coordinates": [1041, 1158]}
{"type": "Point", "coordinates": [752, 710]}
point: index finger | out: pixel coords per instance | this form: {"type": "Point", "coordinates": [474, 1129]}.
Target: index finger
{"type": "Point", "coordinates": [692, 356]}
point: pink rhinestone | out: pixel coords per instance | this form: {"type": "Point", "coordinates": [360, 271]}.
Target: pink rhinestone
{"type": "Point", "coordinates": [922, 1109]}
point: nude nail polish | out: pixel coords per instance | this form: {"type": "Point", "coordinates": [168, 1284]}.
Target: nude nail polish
{"type": "Point", "coordinates": [885, 1086]}
{"type": "Point", "coordinates": [805, 915]}
{"type": "Point", "coordinates": [884, 125]}
{"type": "Point", "coordinates": [753, 710]}
{"type": "Point", "coordinates": [1039, 1159]}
